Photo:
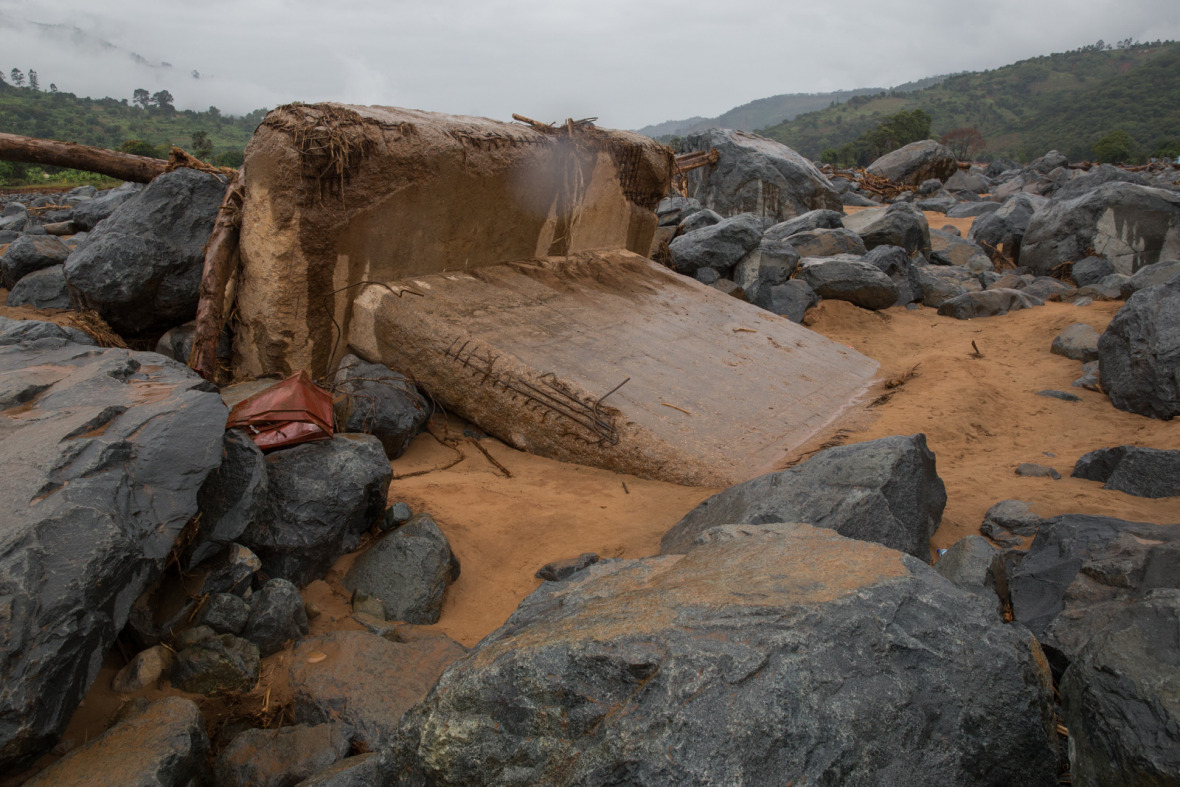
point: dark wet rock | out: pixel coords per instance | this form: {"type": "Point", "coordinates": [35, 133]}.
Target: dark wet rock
{"type": "Point", "coordinates": [897, 225]}
{"type": "Point", "coordinates": [1064, 396]}
{"type": "Point", "coordinates": [988, 303]}
{"type": "Point", "coordinates": [1082, 571]}
{"type": "Point", "coordinates": [1103, 173]}
{"type": "Point", "coordinates": [937, 204]}
{"type": "Point", "coordinates": [885, 490]}
{"type": "Point", "coordinates": [276, 617]}
{"type": "Point", "coordinates": [162, 746]}
{"type": "Point", "coordinates": [916, 162]}
{"type": "Point", "coordinates": [141, 268]}
{"type": "Point", "coordinates": [380, 402]}
{"type": "Point", "coordinates": [1133, 469]}
{"type": "Point", "coordinates": [231, 498]}
{"type": "Point", "coordinates": [223, 663]}
{"type": "Point", "coordinates": [1078, 342]}
{"type": "Point", "coordinates": [699, 219]}
{"type": "Point", "coordinates": [966, 210]}
{"type": "Point", "coordinates": [707, 276]}
{"type": "Point", "coordinates": [230, 571]}
{"type": "Point", "coordinates": [99, 478]}
{"type": "Point", "coordinates": [1004, 229]}
{"type": "Point", "coordinates": [949, 249]}
{"type": "Point", "coordinates": [177, 343]}
{"type": "Point", "coordinates": [224, 613]}
{"type": "Point", "coordinates": [937, 289]}
{"type": "Point", "coordinates": [811, 220]}
{"type": "Point", "coordinates": [564, 569]}
{"type": "Point", "coordinates": [1047, 288]}
{"type": "Point", "coordinates": [1034, 470]}
{"type": "Point", "coordinates": [846, 277]}
{"type": "Point", "coordinates": [88, 213]}
{"type": "Point", "coordinates": [1112, 287]}
{"type": "Point", "coordinates": [1121, 698]}
{"type": "Point", "coordinates": [362, 770]}
{"type": "Point", "coordinates": [769, 263]}
{"type": "Point", "coordinates": [757, 175]}
{"type": "Point", "coordinates": [30, 253]}
{"type": "Point", "coordinates": [826, 242]}
{"type": "Point", "coordinates": [855, 200]}
{"type": "Point", "coordinates": [896, 264]}
{"type": "Point", "coordinates": [397, 514]}
{"type": "Point", "coordinates": [760, 657]}
{"type": "Point", "coordinates": [1139, 353]}
{"type": "Point", "coordinates": [43, 289]}
{"type": "Point", "coordinates": [929, 186]}
{"type": "Point", "coordinates": [408, 570]}
{"type": "Point", "coordinates": [365, 681]}
{"type": "Point", "coordinates": [1130, 225]}
{"type": "Point", "coordinates": [790, 299]}
{"type": "Point", "coordinates": [1049, 162]}
{"type": "Point", "coordinates": [282, 757]}
{"type": "Point", "coordinates": [1090, 270]}
{"type": "Point", "coordinates": [719, 246]}
{"type": "Point", "coordinates": [1014, 516]}
{"type": "Point", "coordinates": [321, 497]}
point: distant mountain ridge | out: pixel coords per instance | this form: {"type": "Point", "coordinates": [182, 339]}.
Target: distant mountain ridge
{"type": "Point", "coordinates": [764, 112]}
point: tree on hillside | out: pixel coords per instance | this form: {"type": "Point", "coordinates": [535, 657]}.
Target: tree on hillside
{"type": "Point", "coordinates": [1114, 148]}
{"type": "Point", "coordinates": [140, 148]}
{"type": "Point", "coordinates": [202, 147]}
{"type": "Point", "coordinates": [215, 114]}
{"type": "Point", "coordinates": [33, 81]}
{"type": "Point", "coordinates": [163, 100]}
{"type": "Point", "coordinates": [141, 98]}
{"type": "Point", "coordinates": [964, 142]}
{"type": "Point", "coordinates": [18, 77]}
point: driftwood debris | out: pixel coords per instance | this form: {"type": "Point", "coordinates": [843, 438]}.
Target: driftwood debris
{"type": "Point", "coordinates": [123, 166]}
{"type": "Point", "coordinates": [221, 261]}
{"type": "Point", "coordinates": [686, 162]}
{"type": "Point", "coordinates": [876, 184]}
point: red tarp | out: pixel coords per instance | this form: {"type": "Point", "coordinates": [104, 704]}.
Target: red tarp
{"type": "Point", "coordinates": [293, 411]}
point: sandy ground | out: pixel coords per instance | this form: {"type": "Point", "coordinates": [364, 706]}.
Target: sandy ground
{"type": "Point", "coordinates": [979, 411]}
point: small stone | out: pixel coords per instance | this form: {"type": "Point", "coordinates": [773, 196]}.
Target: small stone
{"type": "Point", "coordinates": [397, 514]}
{"type": "Point", "coordinates": [276, 617]}
{"type": "Point", "coordinates": [1015, 516]}
{"type": "Point", "coordinates": [1062, 395]}
{"type": "Point", "coordinates": [225, 613]}
{"type": "Point", "coordinates": [1032, 470]}
{"type": "Point", "coordinates": [144, 669]}
{"type": "Point", "coordinates": [364, 604]}
{"type": "Point", "coordinates": [222, 663]}
{"type": "Point", "coordinates": [563, 569]}
{"type": "Point", "coordinates": [191, 636]}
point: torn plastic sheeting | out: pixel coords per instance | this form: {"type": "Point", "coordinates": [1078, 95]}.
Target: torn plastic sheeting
{"type": "Point", "coordinates": [290, 412]}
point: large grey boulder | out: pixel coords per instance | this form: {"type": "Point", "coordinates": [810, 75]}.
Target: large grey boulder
{"type": "Point", "coordinates": [21, 331]}
{"type": "Point", "coordinates": [718, 246]}
{"type": "Point", "coordinates": [276, 617]}
{"type": "Point", "coordinates": [30, 253]}
{"type": "Point", "coordinates": [827, 242]}
{"type": "Point", "coordinates": [1130, 225]}
{"type": "Point", "coordinates": [846, 277]}
{"type": "Point", "coordinates": [988, 303]}
{"type": "Point", "coordinates": [365, 681]}
{"type": "Point", "coordinates": [768, 264]}
{"type": "Point", "coordinates": [790, 299]}
{"type": "Point", "coordinates": [812, 220]}
{"type": "Point", "coordinates": [164, 745]}
{"type": "Point", "coordinates": [1151, 275]}
{"type": "Point", "coordinates": [380, 402]}
{"type": "Point", "coordinates": [896, 264]}
{"type": "Point", "coordinates": [277, 758]}
{"type": "Point", "coordinates": [1139, 353]}
{"type": "Point", "coordinates": [966, 180]}
{"type": "Point", "coordinates": [141, 267]}
{"type": "Point", "coordinates": [886, 491]}
{"type": "Point", "coordinates": [1133, 469]}
{"type": "Point", "coordinates": [916, 162]}
{"type": "Point", "coordinates": [1003, 230]}
{"type": "Point", "coordinates": [757, 175]}
{"type": "Point", "coordinates": [43, 289]}
{"type": "Point", "coordinates": [1121, 698]}
{"type": "Point", "coordinates": [1103, 173]}
{"type": "Point", "coordinates": [1078, 342]}
{"type": "Point", "coordinates": [101, 456]}
{"type": "Point", "coordinates": [321, 497]}
{"type": "Point", "coordinates": [948, 249]}
{"type": "Point", "coordinates": [408, 571]}
{"type": "Point", "coordinates": [1082, 572]}
{"type": "Point", "coordinates": [766, 655]}
{"type": "Point", "coordinates": [900, 224]}
{"type": "Point", "coordinates": [89, 212]}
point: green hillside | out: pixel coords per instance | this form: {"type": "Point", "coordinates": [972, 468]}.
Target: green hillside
{"type": "Point", "coordinates": [148, 129]}
{"type": "Point", "coordinates": [1066, 101]}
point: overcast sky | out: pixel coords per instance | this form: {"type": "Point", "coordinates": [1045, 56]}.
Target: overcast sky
{"type": "Point", "coordinates": [629, 62]}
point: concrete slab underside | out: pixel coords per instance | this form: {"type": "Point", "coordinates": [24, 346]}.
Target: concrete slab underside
{"type": "Point", "coordinates": [716, 390]}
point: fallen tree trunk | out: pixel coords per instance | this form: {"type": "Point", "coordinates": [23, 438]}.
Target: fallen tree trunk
{"type": "Point", "coordinates": [123, 166]}
{"type": "Point", "coordinates": [221, 260]}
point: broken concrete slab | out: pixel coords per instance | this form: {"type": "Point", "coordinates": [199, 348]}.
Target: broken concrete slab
{"type": "Point", "coordinates": [339, 195]}
{"type": "Point", "coordinates": [608, 359]}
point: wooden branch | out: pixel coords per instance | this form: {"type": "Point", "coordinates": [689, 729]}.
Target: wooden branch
{"type": "Point", "coordinates": [123, 166]}
{"type": "Point", "coordinates": [221, 260]}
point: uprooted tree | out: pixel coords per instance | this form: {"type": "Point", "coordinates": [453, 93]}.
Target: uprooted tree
{"type": "Point", "coordinates": [124, 166]}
